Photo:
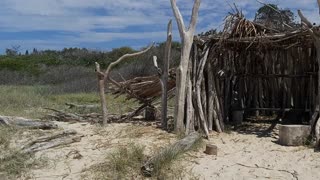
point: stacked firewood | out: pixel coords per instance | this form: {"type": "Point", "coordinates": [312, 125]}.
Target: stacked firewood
{"type": "Point", "coordinates": [144, 89]}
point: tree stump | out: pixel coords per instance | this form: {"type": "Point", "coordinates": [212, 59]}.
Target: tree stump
{"type": "Point", "coordinates": [211, 149]}
{"type": "Point", "coordinates": [293, 135]}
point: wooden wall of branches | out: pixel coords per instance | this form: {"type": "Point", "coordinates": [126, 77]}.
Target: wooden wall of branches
{"type": "Point", "coordinates": [267, 74]}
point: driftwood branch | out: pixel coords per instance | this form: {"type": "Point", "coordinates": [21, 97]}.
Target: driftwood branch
{"type": "Point", "coordinates": [51, 141]}
{"type": "Point", "coordinates": [198, 93]}
{"type": "Point", "coordinates": [179, 17]}
{"type": "Point", "coordinates": [59, 115]}
{"type": "Point", "coordinates": [27, 123]}
{"type": "Point", "coordinates": [107, 72]}
{"type": "Point", "coordinates": [101, 84]}
{"type": "Point", "coordinates": [165, 76]}
{"type": "Point", "coordinates": [173, 150]}
{"type": "Point", "coordinates": [304, 20]}
{"type": "Point", "coordinates": [104, 76]}
{"type": "Point", "coordinates": [194, 16]}
{"type": "Point", "coordinates": [81, 106]}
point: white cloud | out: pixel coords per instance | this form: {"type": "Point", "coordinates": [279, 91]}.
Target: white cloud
{"type": "Point", "coordinates": [120, 17]}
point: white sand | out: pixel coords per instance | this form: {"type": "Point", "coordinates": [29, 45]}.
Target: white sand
{"type": "Point", "coordinates": [240, 156]}
{"type": "Point", "coordinates": [247, 156]}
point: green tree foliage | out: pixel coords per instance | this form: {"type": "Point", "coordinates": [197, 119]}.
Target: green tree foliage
{"type": "Point", "coordinates": [33, 62]}
{"type": "Point", "coordinates": [270, 15]}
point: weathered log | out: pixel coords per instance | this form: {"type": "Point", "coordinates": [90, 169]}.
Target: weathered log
{"type": "Point", "coordinates": [51, 141]}
{"type": "Point", "coordinates": [27, 123]}
{"type": "Point", "coordinates": [173, 150]}
{"type": "Point", "coordinates": [293, 135]}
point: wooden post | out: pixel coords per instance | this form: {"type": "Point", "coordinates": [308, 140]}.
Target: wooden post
{"type": "Point", "coordinates": [164, 77]}
{"type": "Point", "coordinates": [186, 35]}
{"type": "Point", "coordinates": [101, 78]}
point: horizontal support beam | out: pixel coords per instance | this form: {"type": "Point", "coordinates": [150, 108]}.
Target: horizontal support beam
{"type": "Point", "coordinates": [270, 109]}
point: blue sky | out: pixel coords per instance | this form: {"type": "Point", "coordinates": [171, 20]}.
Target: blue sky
{"type": "Point", "coordinates": [107, 24]}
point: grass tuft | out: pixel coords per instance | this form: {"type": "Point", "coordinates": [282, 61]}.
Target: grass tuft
{"type": "Point", "coordinates": [124, 162]}
{"type": "Point", "coordinates": [13, 162]}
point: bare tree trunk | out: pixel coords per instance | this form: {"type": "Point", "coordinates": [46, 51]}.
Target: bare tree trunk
{"type": "Point", "coordinates": [165, 74]}
{"type": "Point", "coordinates": [186, 36]}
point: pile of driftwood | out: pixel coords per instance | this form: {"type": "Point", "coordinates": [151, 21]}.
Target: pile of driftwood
{"type": "Point", "coordinates": [144, 89]}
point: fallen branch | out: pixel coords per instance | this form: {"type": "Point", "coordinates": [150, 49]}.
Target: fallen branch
{"type": "Point", "coordinates": [27, 123]}
{"type": "Point", "coordinates": [62, 116]}
{"type": "Point", "coordinates": [171, 152]}
{"type": "Point", "coordinates": [90, 106]}
{"type": "Point", "coordinates": [54, 140]}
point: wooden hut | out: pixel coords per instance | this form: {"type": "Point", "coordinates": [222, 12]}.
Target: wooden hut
{"type": "Point", "coordinates": [250, 69]}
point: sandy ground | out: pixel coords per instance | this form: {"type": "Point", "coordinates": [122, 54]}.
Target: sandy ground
{"type": "Point", "coordinates": [251, 154]}
{"type": "Point", "coordinates": [72, 161]}
{"type": "Point", "coordinates": [245, 155]}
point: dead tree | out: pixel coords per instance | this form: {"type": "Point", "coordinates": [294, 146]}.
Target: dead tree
{"type": "Point", "coordinates": [186, 35]}
{"type": "Point", "coordinates": [164, 75]}
{"type": "Point", "coordinates": [103, 76]}
{"type": "Point", "coordinates": [315, 33]}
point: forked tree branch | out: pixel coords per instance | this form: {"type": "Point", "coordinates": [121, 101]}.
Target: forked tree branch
{"type": "Point", "coordinates": [194, 16]}
{"type": "Point", "coordinates": [125, 57]}
{"type": "Point", "coordinates": [179, 17]}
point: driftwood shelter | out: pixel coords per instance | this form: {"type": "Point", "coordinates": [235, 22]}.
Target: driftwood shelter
{"type": "Point", "coordinates": [247, 69]}
{"type": "Point", "coordinates": [252, 69]}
